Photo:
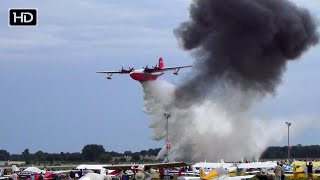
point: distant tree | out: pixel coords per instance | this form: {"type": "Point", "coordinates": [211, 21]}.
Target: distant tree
{"type": "Point", "coordinates": [26, 152]}
{"type": "Point", "coordinates": [122, 159]}
{"type": "Point", "coordinates": [154, 152]}
{"type": "Point", "coordinates": [299, 151]}
{"type": "Point", "coordinates": [127, 153]}
{"type": "Point", "coordinates": [135, 157]}
{"type": "Point", "coordinates": [53, 157]}
{"type": "Point", "coordinates": [143, 153]}
{"type": "Point", "coordinates": [26, 156]}
{"type": "Point", "coordinates": [40, 156]}
{"type": "Point", "coordinates": [92, 152]}
{"type": "Point", "coordinates": [115, 154]}
{"type": "Point", "coordinates": [14, 157]}
{"type": "Point", "coordinates": [67, 156]}
{"type": "Point", "coordinates": [75, 157]}
{"type": "Point", "coordinates": [62, 156]}
{"type": "Point", "coordinates": [105, 158]}
{"type": "Point", "coordinates": [4, 155]}
{"type": "Point", "coordinates": [50, 157]}
{"type": "Point", "coordinates": [150, 152]}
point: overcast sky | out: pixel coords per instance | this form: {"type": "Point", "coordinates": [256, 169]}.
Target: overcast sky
{"type": "Point", "coordinates": [52, 100]}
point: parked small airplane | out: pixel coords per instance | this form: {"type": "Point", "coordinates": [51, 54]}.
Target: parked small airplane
{"type": "Point", "coordinates": [26, 173]}
{"type": "Point", "coordinates": [300, 170]}
{"type": "Point", "coordinates": [123, 167]}
{"type": "Point", "coordinates": [2, 176]}
{"type": "Point", "coordinates": [15, 169]}
{"type": "Point", "coordinates": [208, 166]}
{"type": "Point", "coordinates": [97, 168]}
{"type": "Point", "coordinates": [216, 174]}
{"type": "Point", "coordinates": [237, 169]}
{"type": "Point", "coordinates": [145, 74]}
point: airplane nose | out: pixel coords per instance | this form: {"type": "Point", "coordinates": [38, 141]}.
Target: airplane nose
{"type": "Point", "coordinates": [136, 76]}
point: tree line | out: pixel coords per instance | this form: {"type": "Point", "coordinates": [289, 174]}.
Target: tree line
{"type": "Point", "coordinates": [97, 153]}
{"type": "Point", "coordinates": [296, 152]}
{"type": "Point", "coordinates": [89, 153]}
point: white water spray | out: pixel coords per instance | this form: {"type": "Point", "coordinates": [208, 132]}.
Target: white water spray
{"type": "Point", "coordinates": [220, 127]}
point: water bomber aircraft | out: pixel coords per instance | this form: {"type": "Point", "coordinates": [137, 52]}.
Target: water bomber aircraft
{"type": "Point", "coordinates": [145, 74]}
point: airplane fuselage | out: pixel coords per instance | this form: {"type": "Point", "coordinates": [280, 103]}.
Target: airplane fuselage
{"type": "Point", "coordinates": [140, 75]}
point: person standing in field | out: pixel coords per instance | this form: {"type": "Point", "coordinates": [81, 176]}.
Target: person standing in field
{"type": "Point", "coordinates": [14, 176]}
{"type": "Point", "coordinates": [277, 172]}
{"type": "Point", "coordinates": [309, 170]}
{"type": "Point", "coordinates": [283, 176]}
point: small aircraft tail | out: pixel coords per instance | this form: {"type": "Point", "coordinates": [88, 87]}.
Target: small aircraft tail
{"type": "Point", "coordinates": [202, 174]}
{"type": "Point", "coordinates": [15, 168]}
{"type": "Point", "coordinates": [294, 170]}
{"type": "Point", "coordinates": [161, 64]}
{"type": "Point", "coordinates": [211, 175]}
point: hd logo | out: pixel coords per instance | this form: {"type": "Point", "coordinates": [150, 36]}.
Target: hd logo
{"type": "Point", "coordinates": [23, 17]}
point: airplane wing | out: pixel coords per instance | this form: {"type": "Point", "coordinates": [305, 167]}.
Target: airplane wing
{"type": "Point", "coordinates": [113, 72]}
{"type": "Point", "coordinates": [217, 178]}
{"type": "Point", "coordinates": [257, 165]}
{"type": "Point", "coordinates": [65, 171]}
{"type": "Point", "coordinates": [110, 73]}
{"type": "Point", "coordinates": [213, 165]}
{"type": "Point", "coordinates": [188, 178]}
{"type": "Point", "coordinates": [175, 69]}
{"type": "Point", "coordinates": [241, 177]}
{"type": "Point", "coordinates": [166, 165]}
{"type": "Point", "coordinates": [147, 166]}
{"type": "Point", "coordinates": [118, 166]}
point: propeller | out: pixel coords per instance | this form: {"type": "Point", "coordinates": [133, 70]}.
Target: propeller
{"type": "Point", "coordinates": [131, 68]}
{"type": "Point", "coordinates": [154, 67]}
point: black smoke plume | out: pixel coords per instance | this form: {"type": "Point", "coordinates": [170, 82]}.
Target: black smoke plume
{"type": "Point", "coordinates": [244, 42]}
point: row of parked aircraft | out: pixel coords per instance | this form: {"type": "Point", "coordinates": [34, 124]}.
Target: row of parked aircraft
{"type": "Point", "coordinates": [203, 170]}
{"type": "Point", "coordinates": [108, 170]}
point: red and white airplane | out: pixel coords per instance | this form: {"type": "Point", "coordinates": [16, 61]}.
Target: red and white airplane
{"type": "Point", "coordinates": [145, 74]}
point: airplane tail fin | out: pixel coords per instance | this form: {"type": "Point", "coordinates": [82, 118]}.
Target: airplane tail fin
{"type": "Point", "coordinates": [15, 168]}
{"type": "Point", "coordinates": [161, 64]}
{"type": "Point", "coordinates": [294, 169]}
{"type": "Point", "coordinates": [211, 175]}
{"type": "Point", "coordinates": [202, 174]}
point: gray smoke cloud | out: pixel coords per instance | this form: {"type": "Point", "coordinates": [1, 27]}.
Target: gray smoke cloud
{"type": "Point", "coordinates": [241, 49]}
{"type": "Point", "coordinates": [246, 42]}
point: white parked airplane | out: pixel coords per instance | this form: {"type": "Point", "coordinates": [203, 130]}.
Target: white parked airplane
{"type": "Point", "coordinates": [2, 176]}
{"type": "Point", "coordinates": [208, 166]}
{"type": "Point", "coordinates": [96, 168]}
{"type": "Point", "coordinates": [216, 174]}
